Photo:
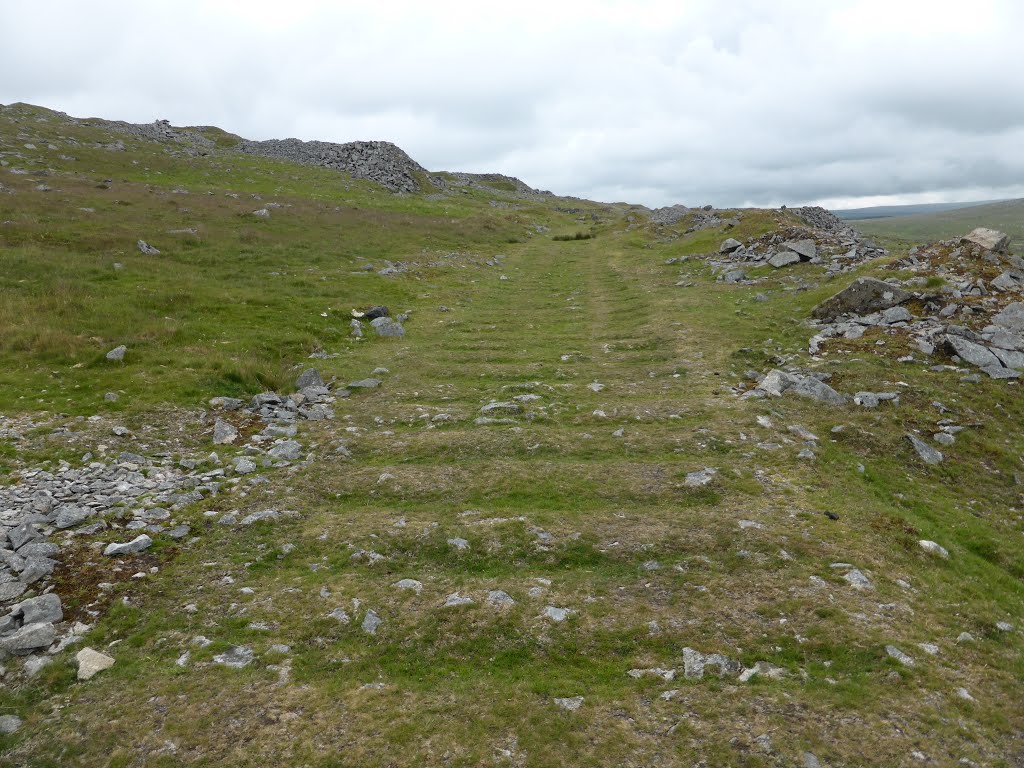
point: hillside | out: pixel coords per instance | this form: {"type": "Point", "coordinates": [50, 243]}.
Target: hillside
{"type": "Point", "coordinates": [889, 211]}
{"type": "Point", "coordinates": [300, 470]}
{"type": "Point", "coordinates": [1007, 216]}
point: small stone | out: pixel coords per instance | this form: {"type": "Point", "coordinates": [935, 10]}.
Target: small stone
{"type": "Point", "coordinates": [934, 549]}
{"type": "Point", "coordinates": [899, 655]}
{"type": "Point", "coordinates": [963, 693]}
{"type": "Point", "coordinates": [458, 543]}
{"type": "Point", "coordinates": [455, 599]}
{"type": "Point", "coordinates": [92, 662]}
{"type": "Point", "coordinates": [927, 454]}
{"type": "Point", "coordinates": [700, 478]}
{"type": "Point", "coordinates": [236, 657]}
{"type": "Point", "coordinates": [570, 704]}
{"type": "Point", "coordinates": [858, 580]}
{"type": "Point", "coordinates": [499, 599]}
{"type": "Point", "coordinates": [309, 378]}
{"type": "Point", "coordinates": [9, 724]}
{"type": "Point", "coordinates": [556, 614]}
{"type": "Point", "coordinates": [965, 637]}
{"type": "Point", "coordinates": [147, 249]}
{"type": "Point", "coordinates": [287, 450]}
{"type": "Point", "coordinates": [244, 466]}
{"type": "Point", "coordinates": [132, 547]}
{"type": "Point", "coordinates": [117, 353]}
{"type": "Point", "coordinates": [224, 433]}
{"type": "Point", "coordinates": [411, 584]}
{"type": "Point", "coordinates": [371, 622]}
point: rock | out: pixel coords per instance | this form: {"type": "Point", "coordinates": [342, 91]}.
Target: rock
{"type": "Point", "coordinates": [934, 549]}
{"type": "Point", "coordinates": [784, 259]}
{"type": "Point", "coordinates": [244, 466]}
{"type": "Point", "coordinates": [989, 239]}
{"type": "Point", "coordinates": [34, 664]}
{"type": "Point", "coordinates": [927, 454]}
{"type": "Point", "coordinates": [570, 704]}
{"type": "Point", "coordinates": [455, 599]}
{"type": "Point", "coordinates": [371, 622]}
{"type": "Point", "coordinates": [236, 657]}
{"type": "Point", "coordinates": [899, 655]}
{"type": "Point", "coordinates": [12, 590]}
{"type": "Point", "coordinates": [730, 245]}
{"type": "Point", "coordinates": [695, 663]}
{"type": "Point", "coordinates": [1005, 282]}
{"type": "Point", "coordinates": [499, 599]}
{"type": "Point", "coordinates": [943, 438]}
{"type": "Point", "coordinates": [225, 403]}
{"type": "Point", "coordinates": [556, 614]}
{"type": "Point", "coordinates": [509, 407]}
{"type": "Point", "coordinates": [117, 353]}
{"type": "Point", "coordinates": [147, 249]}
{"type": "Point", "coordinates": [700, 478]}
{"type": "Point", "coordinates": [136, 545]}
{"type": "Point", "coordinates": [388, 328]}
{"type": "Point", "coordinates": [357, 329]}
{"type": "Point", "coordinates": [224, 433]}
{"type": "Point", "coordinates": [975, 354]}
{"type": "Point", "coordinates": [309, 378]}
{"type": "Point", "coordinates": [288, 450]}
{"type": "Point", "coordinates": [863, 296]}
{"type": "Point", "coordinates": [410, 584]}
{"type": "Point", "coordinates": [734, 276]}
{"type": "Point", "coordinates": [1011, 318]}
{"type": "Point", "coordinates": [261, 213]}
{"type": "Point", "coordinates": [896, 315]}
{"type": "Point", "coordinates": [777, 382]}
{"type": "Point", "coordinates": [811, 761]}
{"type": "Point", "coordinates": [43, 609]}
{"type": "Point", "coordinates": [458, 543]}
{"type": "Point", "coordinates": [9, 724]}
{"type": "Point", "coordinates": [70, 515]}
{"type": "Point", "coordinates": [805, 249]}
{"type": "Point", "coordinates": [28, 638]}
{"type": "Point", "coordinates": [257, 517]}
{"type": "Point", "coordinates": [92, 662]}
{"type": "Point", "coordinates": [857, 580]}
{"type": "Point", "coordinates": [365, 384]}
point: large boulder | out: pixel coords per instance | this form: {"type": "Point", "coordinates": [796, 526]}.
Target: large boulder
{"type": "Point", "coordinates": [1011, 318]}
{"type": "Point", "coordinates": [784, 259]}
{"type": "Point", "coordinates": [970, 352]}
{"type": "Point", "coordinates": [730, 245]}
{"type": "Point", "coordinates": [989, 239]}
{"type": "Point", "coordinates": [777, 383]}
{"type": "Point", "coordinates": [805, 249]}
{"type": "Point", "coordinates": [861, 297]}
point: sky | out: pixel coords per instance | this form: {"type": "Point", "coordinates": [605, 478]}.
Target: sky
{"type": "Point", "coordinates": [843, 103]}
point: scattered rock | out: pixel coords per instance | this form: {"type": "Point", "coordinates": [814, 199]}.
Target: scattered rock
{"type": "Point", "coordinates": [899, 655]}
{"type": "Point", "coordinates": [136, 545]}
{"type": "Point", "coordinates": [117, 353]}
{"type": "Point", "coordinates": [934, 549]}
{"type": "Point", "coordinates": [9, 724]}
{"type": "Point", "coordinates": [91, 662]}
{"type": "Point", "coordinates": [863, 296]}
{"type": "Point", "coordinates": [224, 433]}
{"type": "Point", "coordinates": [147, 249]}
{"type": "Point", "coordinates": [570, 704]}
{"type": "Point", "coordinates": [236, 657]}
{"type": "Point", "coordinates": [927, 454]}
{"type": "Point", "coordinates": [989, 239]}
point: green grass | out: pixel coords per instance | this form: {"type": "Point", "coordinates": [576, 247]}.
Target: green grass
{"type": "Point", "coordinates": [647, 565]}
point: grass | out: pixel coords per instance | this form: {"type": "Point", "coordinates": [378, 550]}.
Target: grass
{"type": "Point", "coordinates": [559, 508]}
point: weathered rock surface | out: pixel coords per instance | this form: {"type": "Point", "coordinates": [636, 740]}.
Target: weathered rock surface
{"type": "Point", "coordinates": [863, 296]}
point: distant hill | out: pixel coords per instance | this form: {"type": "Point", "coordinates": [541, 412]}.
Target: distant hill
{"type": "Point", "coordinates": [1007, 216]}
{"type": "Point", "coordinates": [888, 211]}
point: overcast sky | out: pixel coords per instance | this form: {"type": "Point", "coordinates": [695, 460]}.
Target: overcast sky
{"type": "Point", "coordinates": [746, 102]}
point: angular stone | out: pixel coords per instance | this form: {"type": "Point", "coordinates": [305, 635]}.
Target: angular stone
{"type": "Point", "coordinates": [309, 378]}
{"type": "Point", "coordinates": [783, 259]}
{"type": "Point", "coordinates": [927, 454]}
{"type": "Point", "coordinates": [1011, 318]}
{"type": "Point", "coordinates": [236, 657]}
{"type": "Point", "coordinates": [899, 655]}
{"type": "Point", "coordinates": [934, 549]}
{"type": "Point", "coordinates": [224, 433]}
{"type": "Point", "coordinates": [70, 515]}
{"type": "Point", "coordinates": [501, 407]}
{"type": "Point", "coordinates": [44, 609]}
{"type": "Point", "coordinates": [9, 724]}
{"type": "Point", "coordinates": [117, 353]}
{"type": "Point", "coordinates": [29, 638]}
{"type": "Point", "coordinates": [730, 245]}
{"type": "Point", "coordinates": [863, 296]}
{"type": "Point", "coordinates": [365, 384]}
{"type": "Point", "coordinates": [22, 534]}
{"type": "Point", "coordinates": [136, 545]}
{"type": "Point", "coordinates": [91, 662]}
{"type": "Point", "coordinates": [388, 328]}
{"type": "Point", "coordinates": [570, 704]}
{"type": "Point", "coordinates": [968, 351]}
{"type": "Point", "coordinates": [147, 249]}
{"type": "Point", "coordinates": [256, 517]}
{"type": "Point", "coordinates": [410, 584]}
{"type": "Point", "coordinates": [805, 249]}
{"type": "Point", "coordinates": [287, 450]}
{"type": "Point", "coordinates": [989, 239]}
{"type": "Point", "coordinates": [499, 599]}
{"type": "Point", "coordinates": [371, 622]}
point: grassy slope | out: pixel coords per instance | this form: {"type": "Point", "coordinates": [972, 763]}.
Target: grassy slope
{"type": "Point", "coordinates": [472, 685]}
{"type": "Point", "coordinates": [1007, 217]}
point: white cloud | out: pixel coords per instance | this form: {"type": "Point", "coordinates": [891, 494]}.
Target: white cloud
{"type": "Point", "coordinates": [747, 102]}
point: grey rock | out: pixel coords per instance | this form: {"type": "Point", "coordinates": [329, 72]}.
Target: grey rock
{"type": "Point", "coordinates": [899, 655]}
{"type": "Point", "coordinates": [43, 609]}
{"type": "Point", "coordinates": [458, 543]}
{"type": "Point", "coordinates": [70, 515]}
{"type": "Point", "coordinates": [28, 638]}
{"type": "Point", "coordinates": [288, 450]}
{"type": "Point", "coordinates": [570, 704]}
{"type": "Point", "coordinates": [455, 599]}
{"type": "Point", "coordinates": [784, 259]}
{"type": "Point", "coordinates": [357, 329]}
{"type": "Point", "coordinates": [507, 407]}
{"type": "Point", "coordinates": [12, 590]}
{"type": "Point", "coordinates": [244, 466]}
{"type": "Point", "coordinates": [863, 296]}
{"type": "Point", "coordinates": [696, 663]}
{"type": "Point", "coordinates": [934, 549]}
{"type": "Point", "coordinates": [499, 599]}
{"type": "Point", "coordinates": [410, 584]}
{"type": "Point", "coordinates": [777, 383]}
{"type": "Point", "coordinates": [927, 454]}
{"type": "Point", "coordinates": [147, 249]}
{"type": "Point", "coordinates": [132, 547]}
{"type": "Point", "coordinates": [365, 384]}
{"type": "Point", "coordinates": [1010, 358]}
{"type": "Point", "coordinates": [257, 517]}
{"type": "Point", "coordinates": [943, 438]}
{"type": "Point", "coordinates": [309, 378]}
{"type": "Point", "coordinates": [117, 353]}
{"type": "Point", "coordinates": [989, 239]}
{"type": "Point", "coordinates": [896, 315]}
{"type": "Point", "coordinates": [1011, 318]}
{"type": "Point", "coordinates": [805, 249]}
{"type": "Point", "coordinates": [224, 433]}
{"type": "Point", "coordinates": [700, 478]}
{"type": "Point", "coordinates": [371, 622]}
{"type": "Point", "coordinates": [734, 276]}
{"type": "Point", "coordinates": [388, 328]}
{"type": "Point", "coordinates": [857, 580]}
{"type": "Point", "coordinates": [9, 724]}
{"type": "Point", "coordinates": [22, 534]}
{"type": "Point", "coordinates": [729, 245]}
{"type": "Point", "coordinates": [236, 657]}
{"type": "Point", "coordinates": [1005, 282]}
{"type": "Point", "coordinates": [975, 354]}
{"type": "Point", "coordinates": [556, 614]}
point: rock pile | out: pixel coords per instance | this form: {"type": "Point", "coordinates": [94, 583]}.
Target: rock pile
{"type": "Point", "coordinates": [964, 304]}
{"type": "Point", "coordinates": [841, 249]}
{"type": "Point", "coordinates": [378, 161]}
